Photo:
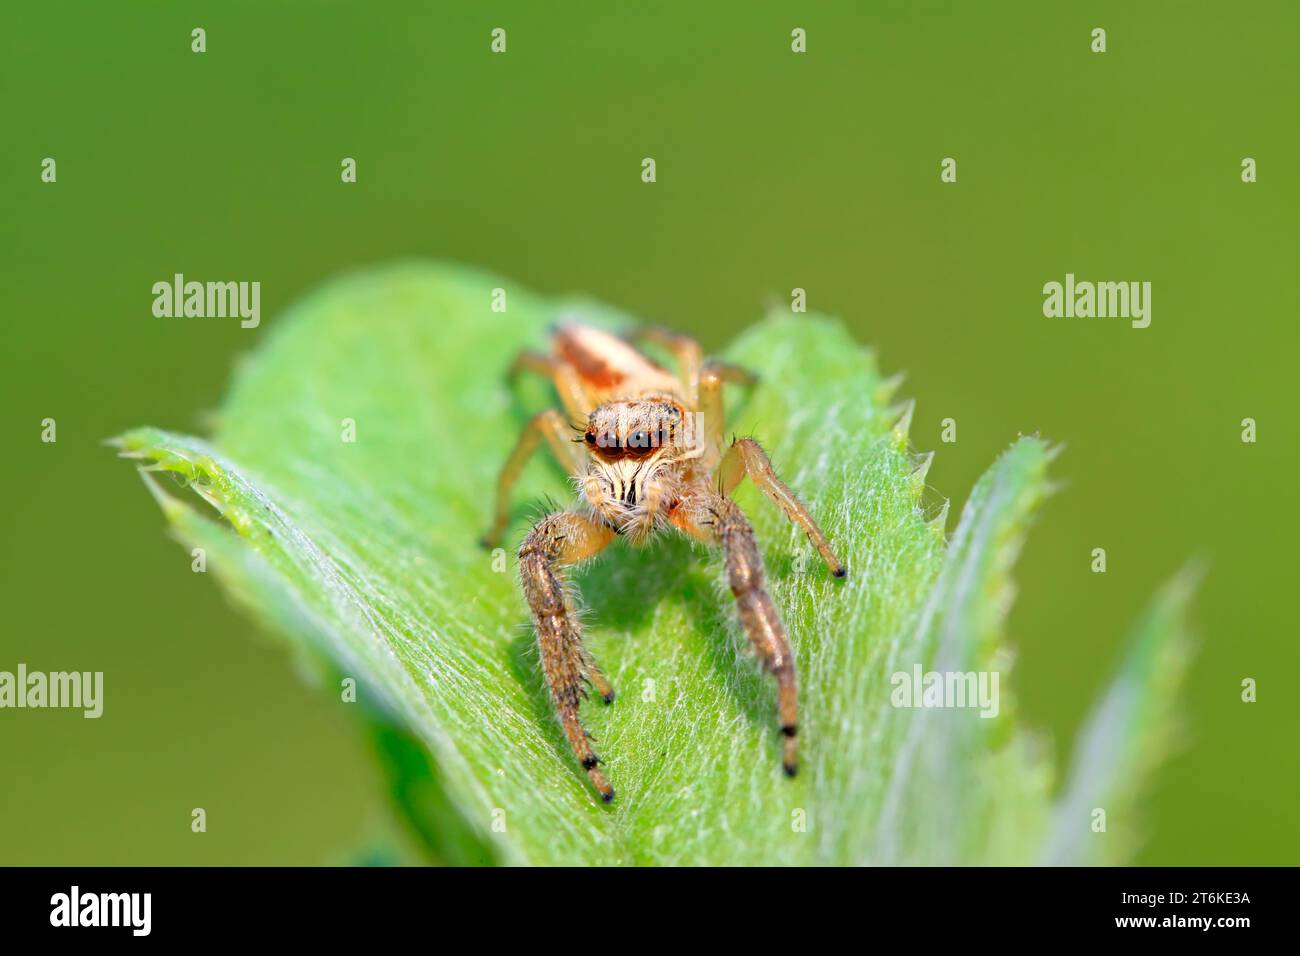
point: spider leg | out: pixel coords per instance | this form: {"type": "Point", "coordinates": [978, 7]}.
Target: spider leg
{"type": "Point", "coordinates": [573, 394]}
{"type": "Point", "coordinates": [560, 539]}
{"type": "Point", "coordinates": [684, 349]}
{"type": "Point", "coordinates": [550, 425]}
{"type": "Point", "coordinates": [746, 457]}
{"type": "Point", "coordinates": [712, 378]}
{"type": "Point", "coordinates": [724, 522]}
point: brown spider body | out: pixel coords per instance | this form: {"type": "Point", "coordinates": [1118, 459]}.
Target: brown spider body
{"type": "Point", "coordinates": [649, 457]}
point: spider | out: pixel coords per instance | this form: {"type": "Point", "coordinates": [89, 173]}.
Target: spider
{"type": "Point", "coordinates": [648, 458]}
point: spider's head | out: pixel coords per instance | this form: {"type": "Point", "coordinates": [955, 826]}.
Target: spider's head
{"type": "Point", "coordinates": [631, 443]}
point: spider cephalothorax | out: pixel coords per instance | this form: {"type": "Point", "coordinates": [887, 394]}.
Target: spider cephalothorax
{"type": "Point", "coordinates": [638, 452]}
{"type": "Point", "coordinates": [649, 457]}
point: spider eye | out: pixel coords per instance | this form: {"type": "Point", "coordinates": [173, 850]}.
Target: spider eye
{"type": "Point", "coordinates": [589, 438]}
{"type": "Point", "coordinates": [639, 440]}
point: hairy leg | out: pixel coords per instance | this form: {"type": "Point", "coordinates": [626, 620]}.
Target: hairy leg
{"type": "Point", "coordinates": [560, 539]}
{"type": "Point", "coordinates": [550, 425]}
{"type": "Point", "coordinates": [746, 457]}
{"type": "Point", "coordinates": [685, 350]}
{"type": "Point", "coordinates": [727, 526]}
{"type": "Point", "coordinates": [577, 403]}
{"type": "Point", "coordinates": [712, 377]}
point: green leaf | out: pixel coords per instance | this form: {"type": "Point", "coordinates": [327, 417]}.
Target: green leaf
{"type": "Point", "coordinates": [364, 554]}
{"type": "Point", "coordinates": [1132, 728]}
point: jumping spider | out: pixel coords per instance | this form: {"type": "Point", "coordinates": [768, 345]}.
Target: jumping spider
{"type": "Point", "coordinates": [648, 457]}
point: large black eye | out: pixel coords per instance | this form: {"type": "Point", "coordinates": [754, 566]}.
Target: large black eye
{"type": "Point", "coordinates": [606, 440]}
{"type": "Point", "coordinates": [589, 438]}
{"type": "Point", "coordinates": [639, 440]}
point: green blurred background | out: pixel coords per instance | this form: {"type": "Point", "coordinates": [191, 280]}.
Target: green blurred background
{"type": "Point", "coordinates": [775, 170]}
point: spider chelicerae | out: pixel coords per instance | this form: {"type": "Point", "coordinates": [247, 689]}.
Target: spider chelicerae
{"type": "Point", "coordinates": [649, 457]}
